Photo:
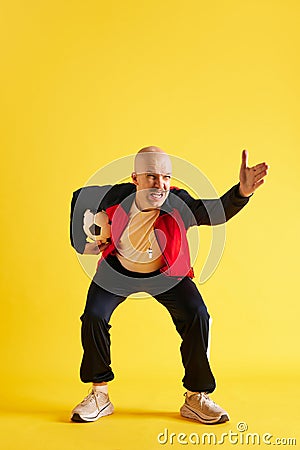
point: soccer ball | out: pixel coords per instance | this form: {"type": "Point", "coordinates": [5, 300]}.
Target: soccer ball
{"type": "Point", "coordinates": [96, 226]}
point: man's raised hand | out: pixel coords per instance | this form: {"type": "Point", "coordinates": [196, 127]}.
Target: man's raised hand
{"type": "Point", "coordinates": [251, 177]}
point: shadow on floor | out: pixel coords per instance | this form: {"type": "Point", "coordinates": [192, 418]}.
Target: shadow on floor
{"type": "Point", "coordinates": [122, 413]}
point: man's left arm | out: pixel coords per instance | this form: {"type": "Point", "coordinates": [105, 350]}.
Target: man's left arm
{"type": "Point", "coordinates": [220, 210]}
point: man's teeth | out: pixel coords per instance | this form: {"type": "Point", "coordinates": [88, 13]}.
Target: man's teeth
{"type": "Point", "coordinates": [158, 195]}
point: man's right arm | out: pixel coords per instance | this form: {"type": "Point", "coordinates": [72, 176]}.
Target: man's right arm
{"type": "Point", "coordinates": [88, 197]}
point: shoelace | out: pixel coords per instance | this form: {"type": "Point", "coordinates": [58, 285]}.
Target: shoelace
{"type": "Point", "coordinates": [202, 396]}
{"type": "Point", "coordinates": [92, 396]}
{"type": "Point", "coordinates": [205, 396]}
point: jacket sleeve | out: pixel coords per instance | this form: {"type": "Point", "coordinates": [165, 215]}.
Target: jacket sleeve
{"type": "Point", "coordinates": [88, 197]}
{"type": "Point", "coordinates": [214, 211]}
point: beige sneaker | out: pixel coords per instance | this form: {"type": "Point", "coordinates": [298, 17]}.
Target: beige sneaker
{"type": "Point", "coordinates": [201, 408]}
{"type": "Point", "coordinates": [94, 406]}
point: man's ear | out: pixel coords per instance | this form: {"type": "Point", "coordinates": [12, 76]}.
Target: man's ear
{"type": "Point", "coordinates": [134, 178]}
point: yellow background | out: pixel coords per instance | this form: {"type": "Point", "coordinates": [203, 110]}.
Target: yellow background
{"type": "Point", "coordinates": [85, 83]}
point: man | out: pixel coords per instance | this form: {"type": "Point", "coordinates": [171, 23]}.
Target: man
{"type": "Point", "coordinates": [149, 252]}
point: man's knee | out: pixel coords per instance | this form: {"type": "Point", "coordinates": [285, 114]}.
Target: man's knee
{"type": "Point", "coordinates": [94, 315]}
{"type": "Point", "coordinates": [196, 311]}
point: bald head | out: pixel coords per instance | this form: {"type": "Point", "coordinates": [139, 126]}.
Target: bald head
{"type": "Point", "coordinates": [150, 149]}
{"type": "Point", "coordinates": [152, 160]}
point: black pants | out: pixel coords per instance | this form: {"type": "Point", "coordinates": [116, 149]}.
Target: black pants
{"type": "Point", "coordinates": [182, 300]}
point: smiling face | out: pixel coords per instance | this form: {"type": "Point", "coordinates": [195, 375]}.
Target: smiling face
{"type": "Point", "coordinates": [152, 176]}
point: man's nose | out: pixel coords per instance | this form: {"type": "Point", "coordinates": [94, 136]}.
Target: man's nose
{"type": "Point", "coordinates": [159, 183]}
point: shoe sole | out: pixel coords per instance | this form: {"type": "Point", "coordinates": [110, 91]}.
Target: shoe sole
{"type": "Point", "coordinates": [106, 411]}
{"type": "Point", "coordinates": [193, 415]}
